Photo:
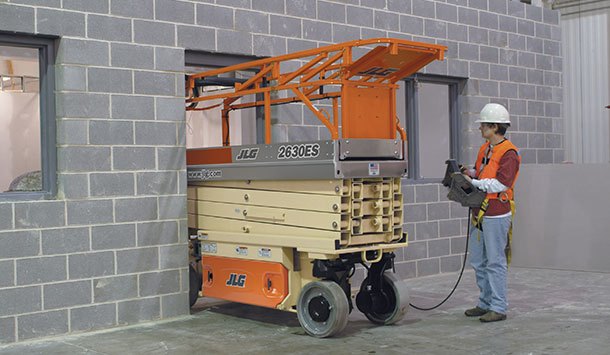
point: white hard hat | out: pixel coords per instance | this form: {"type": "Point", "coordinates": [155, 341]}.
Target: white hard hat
{"type": "Point", "coordinates": [494, 113]}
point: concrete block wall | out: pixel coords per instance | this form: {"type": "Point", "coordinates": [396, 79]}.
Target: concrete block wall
{"type": "Point", "coordinates": [110, 249]}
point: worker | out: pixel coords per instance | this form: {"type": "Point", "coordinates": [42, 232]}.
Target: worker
{"type": "Point", "coordinates": [495, 172]}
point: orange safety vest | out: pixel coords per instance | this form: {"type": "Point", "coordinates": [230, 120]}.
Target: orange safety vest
{"type": "Point", "coordinates": [487, 167]}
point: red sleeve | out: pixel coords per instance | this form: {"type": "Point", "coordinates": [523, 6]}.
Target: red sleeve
{"type": "Point", "coordinates": [509, 165]}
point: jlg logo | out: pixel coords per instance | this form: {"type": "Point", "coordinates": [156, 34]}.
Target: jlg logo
{"type": "Point", "coordinates": [236, 280]}
{"type": "Point", "coordinates": [247, 154]}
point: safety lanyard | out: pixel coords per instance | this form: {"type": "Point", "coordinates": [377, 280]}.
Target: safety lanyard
{"type": "Point", "coordinates": [488, 153]}
{"type": "Point", "coordinates": [485, 160]}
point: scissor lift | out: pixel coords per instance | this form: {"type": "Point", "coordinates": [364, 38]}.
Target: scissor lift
{"type": "Point", "coordinates": [283, 225]}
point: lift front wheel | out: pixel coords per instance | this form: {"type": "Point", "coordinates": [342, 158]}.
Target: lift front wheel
{"type": "Point", "coordinates": [322, 308]}
{"type": "Point", "coordinates": [387, 306]}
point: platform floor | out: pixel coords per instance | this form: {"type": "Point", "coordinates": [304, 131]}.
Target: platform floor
{"type": "Point", "coordinates": [551, 312]}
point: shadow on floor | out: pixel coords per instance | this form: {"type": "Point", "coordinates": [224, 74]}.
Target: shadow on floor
{"type": "Point", "coordinates": [357, 321]}
{"type": "Point", "coordinates": [550, 312]}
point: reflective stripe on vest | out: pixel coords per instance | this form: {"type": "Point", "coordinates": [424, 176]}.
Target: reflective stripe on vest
{"type": "Point", "coordinates": [487, 167]}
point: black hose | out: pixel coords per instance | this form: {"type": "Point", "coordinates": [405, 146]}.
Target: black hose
{"type": "Point", "coordinates": [459, 277]}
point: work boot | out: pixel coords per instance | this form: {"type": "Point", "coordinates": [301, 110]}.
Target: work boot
{"type": "Point", "coordinates": [492, 316]}
{"type": "Point", "coordinates": [475, 312]}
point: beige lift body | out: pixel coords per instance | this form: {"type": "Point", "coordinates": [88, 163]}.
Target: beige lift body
{"type": "Point", "coordinates": [283, 225]}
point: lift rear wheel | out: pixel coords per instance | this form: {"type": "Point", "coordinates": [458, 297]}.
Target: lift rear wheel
{"type": "Point", "coordinates": [195, 282]}
{"type": "Point", "coordinates": [387, 307]}
{"type": "Point", "coordinates": [322, 308]}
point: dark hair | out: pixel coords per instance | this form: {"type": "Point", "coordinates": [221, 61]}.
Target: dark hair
{"type": "Point", "coordinates": [502, 127]}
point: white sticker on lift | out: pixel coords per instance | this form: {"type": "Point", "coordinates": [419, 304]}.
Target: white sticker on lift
{"type": "Point", "coordinates": [264, 252]}
{"type": "Point", "coordinates": [373, 169]}
{"type": "Point", "coordinates": [243, 251]}
{"type": "Point", "coordinates": [209, 248]}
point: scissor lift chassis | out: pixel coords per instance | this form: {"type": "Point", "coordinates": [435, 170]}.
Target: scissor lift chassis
{"type": "Point", "coordinates": [284, 225]}
{"type": "Point", "coordinates": [311, 224]}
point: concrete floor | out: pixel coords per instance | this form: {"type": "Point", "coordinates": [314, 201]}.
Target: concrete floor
{"type": "Point", "coordinates": [551, 312]}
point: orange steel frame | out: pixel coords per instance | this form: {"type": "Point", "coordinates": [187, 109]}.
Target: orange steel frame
{"type": "Point", "coordinates": [367, 85]}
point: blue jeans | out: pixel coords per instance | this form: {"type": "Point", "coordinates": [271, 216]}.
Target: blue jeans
{"type": "Point", "coordinates": [486, 253]}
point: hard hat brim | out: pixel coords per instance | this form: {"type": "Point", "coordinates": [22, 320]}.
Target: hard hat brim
{"type": "Point", "coordinates": [488, 121]}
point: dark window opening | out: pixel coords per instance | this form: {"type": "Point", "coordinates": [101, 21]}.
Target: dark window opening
{"type": "Point", "coordinates": [432, 120]}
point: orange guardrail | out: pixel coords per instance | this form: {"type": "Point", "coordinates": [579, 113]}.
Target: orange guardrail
{"type": "Point", "coordinates": [364, 88]}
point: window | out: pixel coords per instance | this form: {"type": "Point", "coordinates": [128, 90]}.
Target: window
{"type": "Point", "coordinates": [27, 117]}
{"type": "Point", "coordinates": [431, 112]}
{"type": "Point", "coordinates": [204, 127]}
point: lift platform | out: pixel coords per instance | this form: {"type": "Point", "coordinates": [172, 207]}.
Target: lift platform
{"type": "Point", "coordinates": [284, 224]}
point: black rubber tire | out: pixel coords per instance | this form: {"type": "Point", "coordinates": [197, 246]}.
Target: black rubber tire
{"type": "Point", "coordinates": [195, 281]}
{"type": "Point", "coordinates": [397, 290]}
{"type": "Point", "coordinates": [338, 308]}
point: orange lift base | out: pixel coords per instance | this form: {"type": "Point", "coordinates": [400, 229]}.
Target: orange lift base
{"type": "Point", "coordinates": [259, 283]}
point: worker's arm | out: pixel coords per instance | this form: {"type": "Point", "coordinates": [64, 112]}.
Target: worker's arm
{"type": "Point", "coordinates": [509, 165]}
{"type": "Point", "coordinates": [489, 185]}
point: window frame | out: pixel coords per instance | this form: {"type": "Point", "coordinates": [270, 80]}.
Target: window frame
{"type": "Point", "coordinates": [412, 121]}
{"type": "Point", "coordinates": [47, 50]}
